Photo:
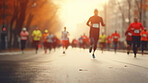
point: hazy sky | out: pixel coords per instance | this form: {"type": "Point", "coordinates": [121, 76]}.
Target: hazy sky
{"type": "Point", "coordinates": [74, 12]}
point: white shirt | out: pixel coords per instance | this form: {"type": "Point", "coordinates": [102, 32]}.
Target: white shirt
{"type": "Point", "coordinates": [65, 35]}
{"type": "Point", "coordinates": [50, 38]}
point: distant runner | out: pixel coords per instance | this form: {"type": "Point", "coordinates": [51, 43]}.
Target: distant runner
{"type": "Point", "coordinates": [144, 40]}
{"type": "Point", "coordinates": [115, 37]}
{"type": "Point", "coordinates": [94, 24]}
{"type": "Point", "coordinates": [36, 36]}
{"type": "Point", "coordinates": [45, 40]}
{"type": "Point", "coordinates": [24, 36]}
{"type": "Point", "coordinates": [75, 43]}
{"type": "Point", "coordinates": [85, 40]}
{"type": "Point", "coordinates": [108, 42]}
{"type": "Point", "coordinates": [136, 27]}
{"type": "Point", "coordinates": [65, 39]}
{"type": "Point", "coordinates": [102, 41]}
{"type": "Point", "coordinates": [128, 35]}
{"type": "Point", "coordinates": [50, 38]}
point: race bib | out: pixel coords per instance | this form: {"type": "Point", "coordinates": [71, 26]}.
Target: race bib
{"type": "Point", "coordinates": [24, 37]}
{"type": "Point", "coordinates": [130, 34]}
{"type": "Point", "coordinates": [115, 37]}
{"type": "Point", "coordinates": [136, 31]}
{"type": "Point", "coordinates": [144, 35]}
{"type": "Point", "coordinates": [95, 25]}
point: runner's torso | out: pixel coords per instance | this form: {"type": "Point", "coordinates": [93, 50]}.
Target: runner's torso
{"type": "Point", "coordinates": [129, 36]}
{"type": "Point", "coordinates": [136, 28]}
{"type": "Point", "coordinates": [95, 22]}
{"type": "Point", "coordinates": [144, 36]}
{"type": "Point", "coordinates": [109, 39]}
{"type": "Point", "coordinates": [50, 37]}
{"type": "Point", "coordinates": [64, 35]}
{"type": "Point", "coordinates": [115, 37]}
{"type": "Point", "coordinates": [102, 38]}
{"type": "Point", "coordinates": [24, 35]}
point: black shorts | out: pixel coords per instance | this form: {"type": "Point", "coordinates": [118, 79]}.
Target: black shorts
{"type": "Point", "coordinates": [129, 42]}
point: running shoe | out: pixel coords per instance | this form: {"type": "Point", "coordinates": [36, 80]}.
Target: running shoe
{"type": "Point", "coordinates": [128, 53]}
{"type": "Point", "coordinates": [63, 52]}
{"type": "Point", "coordinates": [134, 55]}
{"type": "Point", "coordinates": [90, 49]}
{"type": "Point", "coordinates": [93, 56]}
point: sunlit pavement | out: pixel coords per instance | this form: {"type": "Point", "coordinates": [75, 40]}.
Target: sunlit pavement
{"type": "Point", "coordinates": [76, 66]}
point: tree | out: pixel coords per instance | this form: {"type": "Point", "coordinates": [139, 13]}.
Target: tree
{"type": "Point", "coordinates": [28, 13]}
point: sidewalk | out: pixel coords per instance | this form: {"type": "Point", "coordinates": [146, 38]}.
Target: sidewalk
{"type": "Point", "coordinates": [125, 51]}
{"type": "Point", "coordinates": [14, 51]}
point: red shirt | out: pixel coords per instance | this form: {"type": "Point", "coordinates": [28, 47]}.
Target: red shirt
{"type": "Point", "coordinates": [144, 36]}
{"type": "Point", "coordinates": [24, 35]}
{"type": "Point", "coordinates": [128, 35]}
{"type": "Point", "coordinates": [135, 28]}
{"type": "Point", "coordinates": [75, 42]}
{"type": "Point", "coordinates": [109, 39]}
{"type": "Point", "coordinates": [115, 37]}
{"type": "Point", "coordinates": [85, 38]}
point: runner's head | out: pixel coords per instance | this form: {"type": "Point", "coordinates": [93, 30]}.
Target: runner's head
{"type": "Point", "coordinates": [46, 31]}
{"type": "Point", "coordinates": [96, 12]}
{"type": "Point", "coordinates": [115, 31]}
{"type": "Point", "coordinates": [135, 19]}
{"type": "Point", "coordinates": [102, 33]}
{"type": "Point", "coordinates": [24, 29]}
{"type": "Point", "coordinates": [64, 28]}
{"type": "Point", "coordinates": [37, 28]}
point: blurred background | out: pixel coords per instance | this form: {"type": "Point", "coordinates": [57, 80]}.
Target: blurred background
{"type": "Point", "coordinates": [56, 14]}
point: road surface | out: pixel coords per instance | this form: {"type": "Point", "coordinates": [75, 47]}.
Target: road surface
{"type": "Point", "coordinates": [76, 66]}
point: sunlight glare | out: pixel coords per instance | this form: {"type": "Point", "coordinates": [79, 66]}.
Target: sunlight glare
{"type": "Point", "coordinates": [74, 12]}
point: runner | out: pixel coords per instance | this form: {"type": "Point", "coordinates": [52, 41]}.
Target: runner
{"type": "Point", "coordinates": [115, 37]}
{"type": "Point", "coordinates": [135, 27]}
{"type": "Point", "coordinates": [75, 43]}
{"type": "Point", "coordinates": [128, 35]}
{"type": "Point", "coordinates": [102, 41]}
{"type": "Point", "coordinates": [24, 36]}
{"type": "Point", "coordinates": [94, 24]}
{"type": "Point", "coordinates": [54, 44]}
{"type": "Point", "coordinates": [144, 40]}
{"type": "Point", "coordinates": [50, 41]}
{"type": "Point", "coordinates": [65, 39]}
{"type": "Point", "coordinates": [80, 42]}
{"type": "Point", "coordinates": [109, 42]}
{"type": "Point", "coordinates": [36, 36]}
{"type": "Point", "coordinates": [45, 40]}
{"type": "Point", "coordinates": [85, 40]}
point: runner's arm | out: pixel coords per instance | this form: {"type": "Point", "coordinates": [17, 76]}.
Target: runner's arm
{"type": "Point", "coordinates": [129, 28]}
{"type": "Point", "coordinates": [88, 22]}
{"type": "Point", "coordinates": [102, 23]}
{"type": "Point", "coordinates": [142, 27]}
{"type": "Point", "coordinates": [118, 35]}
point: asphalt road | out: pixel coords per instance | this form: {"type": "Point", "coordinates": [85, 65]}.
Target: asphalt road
{"type": "Point", "coordinates": [76, 66]}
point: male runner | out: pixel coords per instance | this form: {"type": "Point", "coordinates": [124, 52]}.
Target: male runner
{"type": "Point", "coordinates": [65, 39]}
{"type": "Point", "coordinates": [136, 28]}
{"type": "Point", "coordinates": [115, 37]}
{"type": "Point", "coordinates": [94, 24]}
{"type": "Point", "coordinates": [128, 35]}
{"type": "Point", "coordinates": [109, 42]}
{"type": "Point", "coordinates": [102, 41]}
{"type": "Point", "coordinates": [144, 40]}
